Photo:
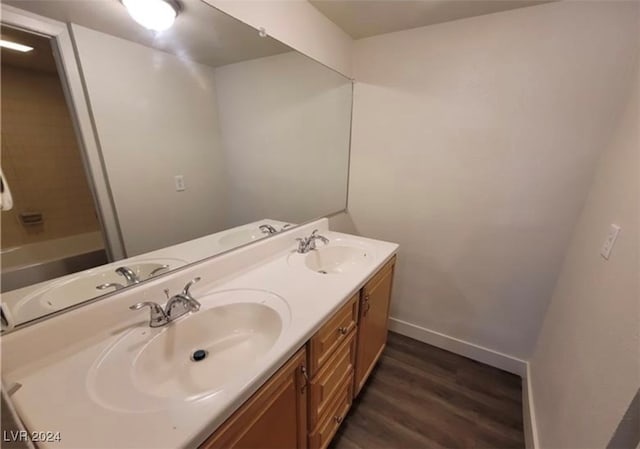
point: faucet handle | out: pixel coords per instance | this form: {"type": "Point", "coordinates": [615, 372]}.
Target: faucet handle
{"type": "Point", "coordinates": [158, 316]}
{"type": "Point", "coordinates": [187, 287]}
{"type": "Point", "coordinates": [302, 244]}
{"type": "Point", "coordinates": [115, 285]}
{"type": "Point", "coordinates": [157, 270]}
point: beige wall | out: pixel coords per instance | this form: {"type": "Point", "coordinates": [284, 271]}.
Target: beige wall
{"type": "Point", "coordinates": [474, 143]}
{"type": "Point", "coordinates": [299, 25]}
{"type": "Point", "coordinates": [285, 125]}
{"type": "Point", "coordinates": [41, 160]}
{"type": "Point", "coordinates": [155, 118]}
{"type": "Point", "coordinates": [586, 367]}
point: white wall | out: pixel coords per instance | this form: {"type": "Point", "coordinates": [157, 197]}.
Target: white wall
{"type": "Point", "coordinates": [285, 125]}
{"type": "Point", "coordinates": [299, 25]}
{"type": "Point", "coordinates": [474, 143]}
{"type": "Point", "coordinates": [586, 367]}
{"type": "Point", "coordinates": [155, 118]}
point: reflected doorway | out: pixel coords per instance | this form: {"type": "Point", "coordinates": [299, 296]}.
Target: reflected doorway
{"type": "Point", "coordinates": [52, 228]}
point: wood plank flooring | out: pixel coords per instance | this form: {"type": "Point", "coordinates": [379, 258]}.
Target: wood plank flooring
{"type": "Point", "coordinates": [420, 396]}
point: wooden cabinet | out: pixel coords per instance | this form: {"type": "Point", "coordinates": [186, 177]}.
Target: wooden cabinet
{"type": "Point", "coordinates": [321, 436]}
{"type": "Point", "coordinates": [327, 383]}
{"type": "Point", "coordinates": [275, 417]}
{"type": "Point", "coordinates": [304, 403]}
{"type": "Point", "coordinates": [332, 352]}
{"type": "Point", "coordinates": [324, 342]}
{"type": "Point", "coordinates": [373, 322]}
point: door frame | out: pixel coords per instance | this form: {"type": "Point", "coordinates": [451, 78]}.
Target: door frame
{"type": "Point", "coordinates": [75, 94]}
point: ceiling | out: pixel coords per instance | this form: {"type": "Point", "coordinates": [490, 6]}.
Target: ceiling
{"type": "Point", "coordinates": [364, 18]}
{"type": "Point", "coordinates": [40, 58]}
{"type": "Point", "coordinates": [201, 33]}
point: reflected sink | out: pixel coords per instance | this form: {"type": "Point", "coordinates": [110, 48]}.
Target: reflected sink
{"type": "Point", "coordinates": [241, 237]}
{"type": "Point", "coordinates": [338, 257]}
{"type": "Point", "coordinates": [81, 287]}
{"type": "Point", "coordinates": [191, 358]}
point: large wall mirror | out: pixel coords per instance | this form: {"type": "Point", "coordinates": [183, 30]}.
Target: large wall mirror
{"type": "Point", "coordinates": [210, 136]}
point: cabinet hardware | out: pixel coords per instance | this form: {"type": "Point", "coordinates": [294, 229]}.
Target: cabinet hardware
{"type": "Point", "coordinates": [303, 370]}
{"type": "Point", "coordinates": [338, 419]}
{"type": "Point", "coordinates": [343, 330]}
{"type": "Point", "coordinates": [366, 304]}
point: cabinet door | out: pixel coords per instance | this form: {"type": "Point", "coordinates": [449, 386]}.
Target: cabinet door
{"type": "Point", "coordinates": [275, 417]}
{"type": "Point", "coordinates": [372, 326]}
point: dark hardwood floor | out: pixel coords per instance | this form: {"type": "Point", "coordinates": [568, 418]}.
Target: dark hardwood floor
{"type": "Point", "coordinates": [420, 396]}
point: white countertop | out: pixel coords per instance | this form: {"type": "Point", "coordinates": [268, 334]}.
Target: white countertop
{"type": "Point", "coordinates": [54, 394]}
{"type": "Point", "coordinates": [23, 309]}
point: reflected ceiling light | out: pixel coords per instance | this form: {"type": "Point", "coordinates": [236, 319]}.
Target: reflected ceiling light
{"type": "Point", "coordinates": [156, 15]}
{"type": "Point", "coordinates": [15, 46]}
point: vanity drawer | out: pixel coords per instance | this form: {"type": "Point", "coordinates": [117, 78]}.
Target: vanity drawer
{"type": "Point", "coordinates": [336, 412]}
{"type": "Point", "coordinates": [327, 383]}
{"type": "Point", "coordinates": [331, 334]}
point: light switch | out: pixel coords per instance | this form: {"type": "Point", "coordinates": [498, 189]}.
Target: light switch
{"type": "Point", "coordinates": [179, 179]}
{"type": "Point", "coordinates": [607, 246]}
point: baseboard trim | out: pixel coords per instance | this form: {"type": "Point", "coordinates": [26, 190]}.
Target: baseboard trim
{"type": "Point", "coordinates": [484, 355]}
{"type": "Point", "coordinates": [460, 347]}
{"type": "Point", "coordinates": [529, 412]}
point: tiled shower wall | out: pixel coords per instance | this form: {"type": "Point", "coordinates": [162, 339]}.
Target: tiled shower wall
{"type": "Point", "coordinates": [41, 160]}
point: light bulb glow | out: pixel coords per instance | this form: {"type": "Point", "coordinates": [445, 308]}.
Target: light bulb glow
{"type": "Point", "coordinates": [156, 15]}
{"type": "Point", "coordinates": [15, 46]}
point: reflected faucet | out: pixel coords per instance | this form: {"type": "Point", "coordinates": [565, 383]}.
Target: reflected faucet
{"type": "Point", "coordinates": [267, 229]}
{"type": "Point", "coordinates": [178, 305]}
{"type": "Point", "coordinates": [128, 274]}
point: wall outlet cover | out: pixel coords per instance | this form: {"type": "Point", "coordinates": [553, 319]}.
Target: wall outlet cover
{"type": "Point", "coordinates": [607, 246]}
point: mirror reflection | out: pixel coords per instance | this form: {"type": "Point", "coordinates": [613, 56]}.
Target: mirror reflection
{"type": "Point", "coordinates": [209, 137]}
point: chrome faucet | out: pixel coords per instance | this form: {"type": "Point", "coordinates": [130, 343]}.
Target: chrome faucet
{"type": "Point", "coordinates": [307, 244]}
{"type": "Point", "coordinates": [178, 305]}
{"type": "Point", "coordinates": [129, 275]}
{"type": "Point", "coordinates": [183, 302]}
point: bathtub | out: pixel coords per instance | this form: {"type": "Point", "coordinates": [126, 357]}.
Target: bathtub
{"type": "Point", "coordinates": [37, 262]}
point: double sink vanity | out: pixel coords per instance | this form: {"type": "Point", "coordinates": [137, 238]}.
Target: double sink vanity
{"type": "Point", "coordinates": [264, 346]}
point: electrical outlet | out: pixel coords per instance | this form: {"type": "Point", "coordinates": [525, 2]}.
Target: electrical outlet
{"type": "Point", "coordinates": [179, 180]}
{"type": "Point", "coordinates": [607, 246]}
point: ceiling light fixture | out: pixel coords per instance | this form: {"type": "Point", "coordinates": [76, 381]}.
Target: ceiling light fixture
{"type": "Point", "coordinates": [15, 46]}
{"type": "Point", "coordinates": [156, 15]}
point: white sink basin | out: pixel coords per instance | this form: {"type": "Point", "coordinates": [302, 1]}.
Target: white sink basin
{"type": "Point", "coordinates": [229, 337]}
{"type": "Point", "coordinates": [338, 257]}
{"type": "Point", "coordinates": [150, 369]}
{"type": "Point", "coordinates": [81, 287]}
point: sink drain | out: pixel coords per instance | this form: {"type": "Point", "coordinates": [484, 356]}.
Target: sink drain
{"type": "Point", "coordinates": [199, 355]}
{"type": "Point", "coordinates": [322, 272]}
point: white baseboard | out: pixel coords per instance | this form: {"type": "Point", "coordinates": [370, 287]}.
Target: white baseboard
{"type": "Point", "coordinates": [484, 355]}
{"type": "Point", "coordinates": [529, 413]}
{"type": "Point", "coordinates": [461, 347]}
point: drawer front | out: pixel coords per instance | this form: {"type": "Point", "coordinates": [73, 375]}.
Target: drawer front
{"type": "Point", "coordinates": [327, 383]}
{"type": "Point", "coordinates": [332, 333]}
{"type": "Point", "coordinates": [336, 412]}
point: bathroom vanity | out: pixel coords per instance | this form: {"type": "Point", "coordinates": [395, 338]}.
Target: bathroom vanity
{"type": "Point", "coordinates": [304, 403]}
{"type": "Point", "coordinates": [281, 344]}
